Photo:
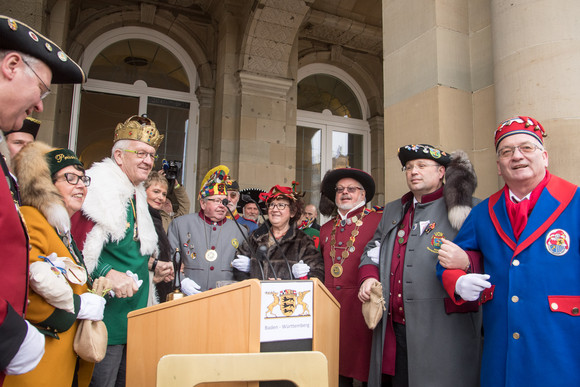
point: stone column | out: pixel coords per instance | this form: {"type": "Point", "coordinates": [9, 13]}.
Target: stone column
{"type": "Point", "coordinates": [427, 80]}
{"type": "Point", "coordinates": [376, 124]}
{"type": "Point", "coordinates": [267, 141]}
{"type": "Point", "coordinates": [536, 47]}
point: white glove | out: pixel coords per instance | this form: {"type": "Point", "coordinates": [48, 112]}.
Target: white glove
{"type": "Point", "coordinates": [470, 286]}
{"type": "Point", "coordinates": [189, 287]}
{"type": "Point", "coordinates": [242, 263]}
{"type": "Point", "coordinates": [29, 354]}
{"type": "Point", "coordinates": [300, 269]}
{"type": "Point", "coordinates": [92, 307]}
{"type": "Point", "coordinates": [135, 277]}
{"type": "Point", "coordinates": [374, 252]}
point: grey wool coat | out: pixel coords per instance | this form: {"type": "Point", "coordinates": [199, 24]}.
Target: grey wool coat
{"type": "Point", "coordinates": [194, 236]}
{"type": "Point", "coordinates": [443, 348]}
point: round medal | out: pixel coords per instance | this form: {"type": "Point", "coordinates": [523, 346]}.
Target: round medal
{"type": "Point", "coordinates": [336, 270]}
{"type": "Point", "coordinates": [401, 233]}
{"type": "Point", "coordinates": [211, 255]}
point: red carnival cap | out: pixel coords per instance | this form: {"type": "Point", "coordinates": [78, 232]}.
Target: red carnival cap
{"type": "Point", "coordinates": [520, 125]}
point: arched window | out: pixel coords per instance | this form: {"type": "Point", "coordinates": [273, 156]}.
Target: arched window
{"type": "Point", "coordinates": [332, 131]}
{"type": "Point", "coordinates": [132, 71]}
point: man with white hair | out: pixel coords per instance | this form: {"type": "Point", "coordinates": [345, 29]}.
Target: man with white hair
{"type": "Point", "coordinates": [116, 234]}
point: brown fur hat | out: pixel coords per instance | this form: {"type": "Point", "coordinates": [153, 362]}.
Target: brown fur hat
{"type": "Point", "coordinates": [36, 187]}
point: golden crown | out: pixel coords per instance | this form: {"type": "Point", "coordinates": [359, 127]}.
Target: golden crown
{"type": "Point", "coordinates": [139, 128]}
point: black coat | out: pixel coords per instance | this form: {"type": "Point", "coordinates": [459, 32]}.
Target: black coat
{"type": "Point", "coordinates": [163, 288]}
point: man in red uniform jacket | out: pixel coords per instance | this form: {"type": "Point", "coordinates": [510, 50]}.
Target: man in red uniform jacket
{"type": "Point", "coordinates": [342, 241]}
{"type": "Point", "coordinates": [28, 64]}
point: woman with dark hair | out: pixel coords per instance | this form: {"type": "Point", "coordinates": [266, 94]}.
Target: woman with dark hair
{"type": "Point", "coordinates": [280, 242]}
{"type": "Point", "coordinates": [53, 186]}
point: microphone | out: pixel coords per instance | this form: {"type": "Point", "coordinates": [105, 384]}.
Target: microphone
{"type": "Point", "coordinates": [248, 198]}
{"type": "Point", "coordinates": [225, 202]}
{"type": "Point", "coordinates": [264, 254]}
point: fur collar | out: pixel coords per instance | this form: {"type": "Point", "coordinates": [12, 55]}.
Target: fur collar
{"type": "Point", "coordinates": [107, 198]}
{"type": "Point", "coordinates": [36, 187]}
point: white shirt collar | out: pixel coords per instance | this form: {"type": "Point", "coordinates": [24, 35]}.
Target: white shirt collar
{"type": "Point", "coordinates": [362, 203]}
{"type": "Point", "coordinates": [515, 199]}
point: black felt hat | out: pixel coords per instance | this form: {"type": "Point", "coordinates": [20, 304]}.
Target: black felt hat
{"type": "Point", "coordinates": [17, 36]}
{"type": "Point", "coordinates": [30, 126]}
{"type": "Point", "coordinates": [254, 194]}
{"type": "Point", "coordinates": [332, 177]}
{"type": "Point", "coordinates": [423, 151]}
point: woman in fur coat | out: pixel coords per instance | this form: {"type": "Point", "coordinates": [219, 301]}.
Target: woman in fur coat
{"type": "Point", "coordinates": [53, 187]}
{"type": "Point", "coordinates": [280, 242]}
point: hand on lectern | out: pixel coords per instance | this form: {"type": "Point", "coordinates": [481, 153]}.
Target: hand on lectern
{"type": "Point", "coordinates": [189, 287]}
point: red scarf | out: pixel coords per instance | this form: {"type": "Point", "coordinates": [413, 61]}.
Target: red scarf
{"type": "Point", "coordinates": [519, 212]}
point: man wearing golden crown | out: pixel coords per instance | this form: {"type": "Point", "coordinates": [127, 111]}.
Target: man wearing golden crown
{"type": "Point", "coordinates": [207, 241]}
{"type": "Point", "coordinates": [115, 232]}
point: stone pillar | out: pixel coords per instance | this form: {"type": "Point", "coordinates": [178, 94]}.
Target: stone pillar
{"type": "Point", "coordinates": [427, 81]}
{"type": "Point", "coordinates": [536, 47]}
{"type": "Point", "coordinates": [267, 142]}
{"type": "Point", "coordinates": [376, 124]}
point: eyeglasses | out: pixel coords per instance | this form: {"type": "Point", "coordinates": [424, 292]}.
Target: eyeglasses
{"type": "Point", "coordinates": [216, 201]}
{"type": "Point", "coordinates": [143, 154]}
{"type": "Point", "coordinates": [44, 92]}
{"type": "Point", "coordinates": [278, 206]}
{"type": "Point", "coordinates": [419, 166]}
{"type": "Point", "coordinates": [508, 151]}
{"type": "Point", "coordinates": [73, 179]}
{"type": "Point", "coordinates": [351, 190]}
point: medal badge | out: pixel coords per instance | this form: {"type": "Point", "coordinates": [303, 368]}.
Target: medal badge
{"type": "Point", "coordinates": [436, 242]}
{"type": "Point", "coordinates": [557, 242]}
{"type": "Point", "coordinates": [336, 270]}
{"type": "Point", "coordinates": [211, 255]}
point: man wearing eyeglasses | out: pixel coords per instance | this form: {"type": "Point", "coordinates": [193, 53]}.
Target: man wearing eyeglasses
{"type": "Point", "coordinates": [344, 193]}
{"type": "Point", "coordinates": [527, 234]}
{"type": "Point", "coordinates": [28, 67]}
{"type": "Point", "coordinates": [233, 191]}
{"type": "Point", "coordinates": [207, 241]}
{"type": "Point", "coordinates": [419, 340]}
{"type": "Point", "coordinates": [116, 234]}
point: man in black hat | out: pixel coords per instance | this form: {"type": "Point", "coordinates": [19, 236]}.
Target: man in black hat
{"type": "Point", "coordinates": [342, 241]}
{"type": "Point", "coordinates": [249, 209]}
{"type": "Point", "coordinates": [18, 139]}
{"type": "Point", "coordinates": [418, 336]}
{"type": "Point", "coordinates": [29, 63]}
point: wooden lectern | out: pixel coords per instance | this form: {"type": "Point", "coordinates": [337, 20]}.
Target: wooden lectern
{"type": "Point", "coordinates": [222, 320]}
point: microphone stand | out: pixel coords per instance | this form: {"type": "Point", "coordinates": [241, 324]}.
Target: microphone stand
{"type": "Point", "coordinates": [225, 202]}
{"type": "Point", "coordinates": [248, 198]}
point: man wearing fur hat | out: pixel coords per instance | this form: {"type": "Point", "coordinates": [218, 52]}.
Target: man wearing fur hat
{"type": "Point", "coordinates": [29, 63]}
{"type": "Point", "coordinates": [527, 234]}
{"type": "Point", "coordinates": [420, 341]}
{"type": "Point", "coordinates": [117, 237]}
{"type": "Point", "coordinates": [342, 242]}
{"type": "Point", "coordinates": [207, 241]}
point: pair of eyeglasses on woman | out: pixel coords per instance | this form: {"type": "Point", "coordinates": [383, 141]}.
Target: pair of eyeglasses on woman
{"type": "Point", "coordinates": [279, 206]}
{"type": "Point", "coordinates": [73, 179]}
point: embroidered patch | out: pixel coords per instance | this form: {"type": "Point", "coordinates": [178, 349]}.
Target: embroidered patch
{"type": "Point", "coordinates": [436, 153]}
{"type": "Point", "coordinates": [436, 242]}
{"type": "Point", "coordinates": [557, 242]}
{"type": "Point", "coordinates": [235, 243]}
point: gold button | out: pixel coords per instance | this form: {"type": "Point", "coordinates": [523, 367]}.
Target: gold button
{"type": "Point", "coordinates": [516, 262]}
{"type": "Point", "coordinates": [554, 306]}
{"type": "Point", "coordinates": [575, 310]}
{"type": "Point", "coordinates": [516, 335]}
{"type": "Point", "coordinates": [515, 298]}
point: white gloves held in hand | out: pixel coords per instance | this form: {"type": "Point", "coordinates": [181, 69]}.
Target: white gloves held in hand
{"type": "Point", "coordinates": [92, 307]}
{"type": "Point", "coordinates": [242, 263]}
{"type": "Point", "coordinates": [189, 287]}
{"type": "Point", "coordinates": [470, 286]}
{"type": "Point", "coordinates": [300, 269]}
{"type": "Point", "coordinates": [375, 252]}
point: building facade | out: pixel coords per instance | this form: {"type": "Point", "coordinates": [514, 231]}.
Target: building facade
{"type": "Point", "coordinates": [283, 90]}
